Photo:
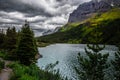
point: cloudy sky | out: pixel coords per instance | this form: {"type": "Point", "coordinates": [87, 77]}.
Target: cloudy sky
{"type": "Point", "coordinates": [42, 14]}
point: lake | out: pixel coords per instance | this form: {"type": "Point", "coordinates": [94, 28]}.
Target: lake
{"type": "Point", "coordinates": [66, 54]}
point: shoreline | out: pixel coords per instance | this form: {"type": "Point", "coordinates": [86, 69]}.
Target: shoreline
{"type": "Point", "coordinates": [48, 44]}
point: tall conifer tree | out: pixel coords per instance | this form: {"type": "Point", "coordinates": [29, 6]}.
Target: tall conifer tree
{"type": "Point", "coordinates": [2, 38]}
{"type": "Point", "coordinates": [10, 42]}
{"type": "Point", "coordinates": [116, 64]}
{"type": "Point", "coordinates": [91, 66]}
{"type": "Point", "coordinates": [27, 48]}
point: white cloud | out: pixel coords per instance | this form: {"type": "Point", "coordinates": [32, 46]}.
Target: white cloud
{"type": "Point", "coordinates": [17, 15]}
{"type": "Point", "coordinates": [5, 20]}
{"type": "Point", "coordinates": [57, 20]}
{"type": "Point", "coordinates": [53, 6]}
{"type": "Point", "coordinates": [46, 5]}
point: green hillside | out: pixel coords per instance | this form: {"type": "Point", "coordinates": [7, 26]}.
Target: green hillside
{"type": "Point", "coordinates": [108, 23]}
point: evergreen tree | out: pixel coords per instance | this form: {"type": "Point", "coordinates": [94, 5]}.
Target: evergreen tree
{"type": "Point", "coordinates": [116, 64]}
{"type": "Point", "coordinates": [2, 38]}
{"type": "Point", "coordinates": [11, 39]}
{"type": "Point", "coordinates": [27, 48]}
{"type": "Point", "coordinates": [10, 42]}
{"type": "Point", "coordinates": [91, 66]}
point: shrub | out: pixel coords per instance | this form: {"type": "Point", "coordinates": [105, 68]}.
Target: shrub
{"type": "Point", "coordinates": [1, 65]}
{"type": "Point", "coordinates": [32, 72]}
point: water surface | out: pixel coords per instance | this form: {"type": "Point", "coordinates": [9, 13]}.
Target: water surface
{"type": "Point", "coordinates": [66, 54]}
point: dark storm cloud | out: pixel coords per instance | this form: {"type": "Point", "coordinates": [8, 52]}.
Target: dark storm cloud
{"type": "Point", "coordinates": [15, 5]}
{"type": "Point", "coordinates": [42, 14]}
{"type": "Point", "coordinates": [59, 0]}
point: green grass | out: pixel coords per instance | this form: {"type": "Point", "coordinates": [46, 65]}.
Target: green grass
{"type": "Point", "coordinates": [86, 30]}
{"type": "Point", "coordinates": [69, 26]}
{"type": "Point", "coordinates": [32, 72]}
{"type": "Point", "coordinates": [2, 54]}
{"type": "Point", "coordinates": [42, 44]}
{"type": "Point", "coordinates": [110, 15]}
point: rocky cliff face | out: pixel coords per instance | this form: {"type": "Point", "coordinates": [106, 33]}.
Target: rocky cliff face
{"type": "Point", "coordinates": [86, 10]}
{"type": "Point", "coordinates": [113, 2]}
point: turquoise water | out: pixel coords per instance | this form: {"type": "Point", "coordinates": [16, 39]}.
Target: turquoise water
{"type": "Point", "coordinates": [66, 54]}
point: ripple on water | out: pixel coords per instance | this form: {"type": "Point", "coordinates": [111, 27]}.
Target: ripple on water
{"type": "Point", "coordinates": [66, 54]}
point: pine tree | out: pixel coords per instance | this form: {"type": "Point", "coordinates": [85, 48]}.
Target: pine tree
{"type": "Point", "coordinates": [92, 66]}
{"type": "Point", "coordinates": [10, 42]}
{"type": "Point", "coordinates": [2, 38]}
{"type": "Point", "coordinates": [11, 39]}
{"type": "Point", "coordinates": [116, 64]}
{"type": "Point", "coordinates": [27, 48]}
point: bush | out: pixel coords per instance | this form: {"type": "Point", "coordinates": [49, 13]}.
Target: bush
{"type": "Point", "coordinates": [2, 54]}
{"type": "Point", "coordinates": [1, 65]}
{"type": "Point", "coordinates": [32, 72]}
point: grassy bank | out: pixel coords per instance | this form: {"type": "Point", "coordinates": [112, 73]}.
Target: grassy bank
{"type": "Point", "coordinates": [42, 44]}
{"type": "Point", "coordinates": [32, 72]}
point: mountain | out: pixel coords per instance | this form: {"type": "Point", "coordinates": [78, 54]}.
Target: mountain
{"type": "Point", "coordinates": [86, 10]}
{"type": "Point", "coordinates": [113, 2]}
{"type": "Point", "coordinates": [50, 31]}
{"type": "Point", "coordinates": [106, 19]}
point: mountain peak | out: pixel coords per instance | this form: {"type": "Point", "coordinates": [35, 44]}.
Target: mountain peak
{"type": "Point", "coordinates": [86, 10]}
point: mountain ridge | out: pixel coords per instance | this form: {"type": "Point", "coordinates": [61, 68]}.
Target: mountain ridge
{"type": "Point", "coordinates": [86, 10]}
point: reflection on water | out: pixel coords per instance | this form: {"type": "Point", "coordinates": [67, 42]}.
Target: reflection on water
{"type": "Point", "coordinates": [66, 54]}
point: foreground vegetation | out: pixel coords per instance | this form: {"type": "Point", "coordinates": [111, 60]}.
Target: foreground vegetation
{"type": "Point", "coordinates": [32, 72]}
{"type": "Point", "coordinates": [96, 64]}
{"type": "Point", "coordinates": [116, 64]}
{"type": "Point", "coordinates": [1, 65]}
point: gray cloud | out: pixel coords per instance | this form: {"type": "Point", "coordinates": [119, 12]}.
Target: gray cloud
{"type": "Point", "coordinates": [18, 5]}
{"type": "Point", "coordinates": [42, 14]}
